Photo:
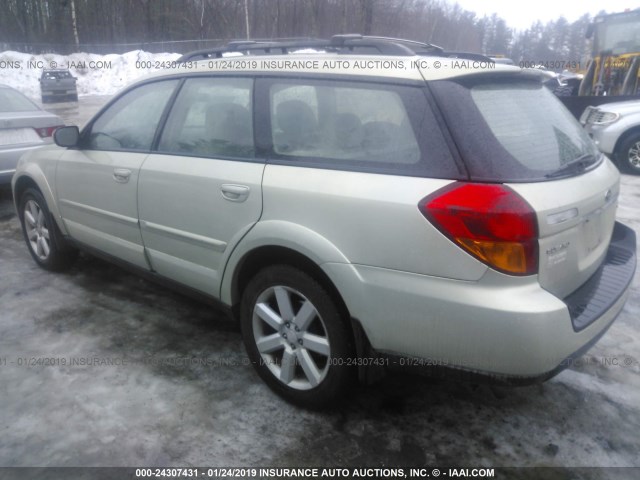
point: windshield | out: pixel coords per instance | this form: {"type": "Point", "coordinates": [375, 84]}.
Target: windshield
{"type": "Point", "coordinates": [619, 35]}
{"type": "Point", "coordinates": [514, 129]}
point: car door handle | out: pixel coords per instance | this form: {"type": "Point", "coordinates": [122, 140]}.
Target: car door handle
{"type": "Point", "coordinates": [235, 193]}
{"type": "Point", "coordinates": [121, 175]}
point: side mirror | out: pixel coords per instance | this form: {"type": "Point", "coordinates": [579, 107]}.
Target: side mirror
{"type": "Point", "coordinates": [67, 136]}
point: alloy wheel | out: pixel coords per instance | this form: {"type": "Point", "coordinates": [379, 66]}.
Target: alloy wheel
{"type": "Point", "coordinates": [291, 337]}
{"type": "Point", "coordinates": [633, 157]}
{"type": "Point", "coordinates": [37, 230]}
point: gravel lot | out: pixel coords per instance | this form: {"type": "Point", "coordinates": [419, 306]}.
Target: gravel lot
{"type": "Point", "coordinates": [160, 380]}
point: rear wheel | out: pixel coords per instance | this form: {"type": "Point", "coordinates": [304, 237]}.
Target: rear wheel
{"type": "Point", "coordinates": [629, 155]}
{"type": "Point", "coordinates": [296, 337]}
{"type": "Point", "coordinates": [44, 239]}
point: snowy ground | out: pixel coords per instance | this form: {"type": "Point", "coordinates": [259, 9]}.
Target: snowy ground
{"type": "Point", "coordinates": [156, 408]}
{"type": "Point", "coordinates": [96, 74]}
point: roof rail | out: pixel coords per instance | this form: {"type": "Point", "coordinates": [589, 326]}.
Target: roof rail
{"type": "Point", "coordinates": [351, 43]}
{"type": "Point", "coordinates": [469, 56]}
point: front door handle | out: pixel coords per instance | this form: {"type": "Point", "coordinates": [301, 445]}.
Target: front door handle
{"type": "Point", "coordinates": [235, 193]}
{"type": "Point", "coordinates": [121, 175]}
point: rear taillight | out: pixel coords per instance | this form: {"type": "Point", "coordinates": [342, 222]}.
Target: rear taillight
{"type": "Point", "coordinates": [47, 131]}
{"type": "Point", "coordinates": [491, 222]}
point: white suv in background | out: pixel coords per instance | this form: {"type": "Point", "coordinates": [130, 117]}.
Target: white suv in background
{"type": "Point", "coordinates": [374, 206]}
{"type": "Point", "coordinates": [615, 128]}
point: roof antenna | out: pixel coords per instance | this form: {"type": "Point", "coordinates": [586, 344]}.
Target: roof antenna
{"type": "Point", "coordinates": [246, 18]}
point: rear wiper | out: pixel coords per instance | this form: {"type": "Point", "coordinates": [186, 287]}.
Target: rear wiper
{"type": "Point", "coordinates": [574, 166]}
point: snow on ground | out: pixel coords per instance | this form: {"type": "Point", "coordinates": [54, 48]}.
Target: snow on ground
{"type": "Point", "coordinates": [96, 74]}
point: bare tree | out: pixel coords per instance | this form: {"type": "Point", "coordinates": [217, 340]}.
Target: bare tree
{"type": "Point", "coordinates": [61, 25]}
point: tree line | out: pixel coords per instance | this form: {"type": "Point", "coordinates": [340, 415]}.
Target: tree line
{"type": "Point", "coordinates": [116, 26]}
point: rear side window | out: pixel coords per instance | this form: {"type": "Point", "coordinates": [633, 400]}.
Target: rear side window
{"type": "Point", "coordinates": [513, 130]}
{"type": "Point", "coordinates": [370, 125]}
{"type": "Point", "coordinates": [211, 118]}
{"type": "Point", "coordinates": [356, 125]}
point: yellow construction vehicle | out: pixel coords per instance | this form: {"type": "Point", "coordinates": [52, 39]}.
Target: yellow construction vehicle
{"type": "Point", "coordinates": [613, 67]}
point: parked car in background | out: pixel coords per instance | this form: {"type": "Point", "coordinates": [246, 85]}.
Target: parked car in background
{"type": "Point", "coordinates": [356, 209]}
{"type": "Point", "coordinates": [58, 85]}
{"type": "Point", "coordinates": [615, 129]}
{"type": "Point", "coordinates": [23, 127]}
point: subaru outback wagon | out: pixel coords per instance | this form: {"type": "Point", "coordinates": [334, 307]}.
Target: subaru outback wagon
{"type": "Point", "coordinates": [419, 211]}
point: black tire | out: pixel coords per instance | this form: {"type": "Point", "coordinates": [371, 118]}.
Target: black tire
{"type": "Point", "coordinates": [628, 156]}
{"type": "Point", "coordinates": [324, 343]}
{"type": "Point", "coordinates": [42, 235]}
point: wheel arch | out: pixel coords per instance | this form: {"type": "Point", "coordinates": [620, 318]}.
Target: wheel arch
{"type": "Point", "coordinates": [266, 255]}
{"type": "Point", "coordinates": [621, 149]}
{"type": "Point", "coordinates": [38, 181]}
{"type": "Point", "coordinates": [287, 242]}
{"type": "Point", "coordinates": [624, 137]}
{"type": "Point", "coordinates": [20, 185]}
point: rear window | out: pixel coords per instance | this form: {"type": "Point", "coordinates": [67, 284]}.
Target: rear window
{"type": "Point", "coordinates": [514, 130]}
{"type": "Point", "coordinates": [13, 101]}
{"type": "Point", "coordinates": [55, 75]}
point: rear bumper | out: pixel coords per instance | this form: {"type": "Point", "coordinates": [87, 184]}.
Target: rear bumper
{"type": "Point", "coordinates": [608, 284]}
{"type": "Point", "coordinates": [59, 92]}
{"type": "Point", "coordinates": [9, 157]}
{"type": "Point", "coordinates": [439, 369]}
{"type": "Point", "coordinates": [503, 328]}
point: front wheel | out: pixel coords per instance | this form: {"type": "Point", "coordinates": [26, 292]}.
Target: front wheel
{"type": "Point", "coordinates": [296, 337]}
{"type": "Point", "coordinates": [629, 155]}
{"type": "Point", "coordinates": [44, 240]}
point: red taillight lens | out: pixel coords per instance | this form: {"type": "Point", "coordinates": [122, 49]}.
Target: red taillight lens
{"type": "Point", "coordinates": [491, 222]}
{"type": "Point", "coordinates": [47, 131]}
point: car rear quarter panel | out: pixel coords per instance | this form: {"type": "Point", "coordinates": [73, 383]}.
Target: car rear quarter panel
{"type": "Point", "coordinates": [347, 217]}
{"type": "Point", "coordinates": [372, 219]}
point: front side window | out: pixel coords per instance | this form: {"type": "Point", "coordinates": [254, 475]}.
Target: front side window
{"type": "Point", "coordinates": [211, 118]}
{"type": "Point", "coordinates": [131, 122]}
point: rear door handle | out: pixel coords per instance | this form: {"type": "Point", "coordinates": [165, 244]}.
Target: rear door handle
{"type": "Point", "coordinates": [235, 193]}
{"type": "Point", "coordinates": [121, 175]}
